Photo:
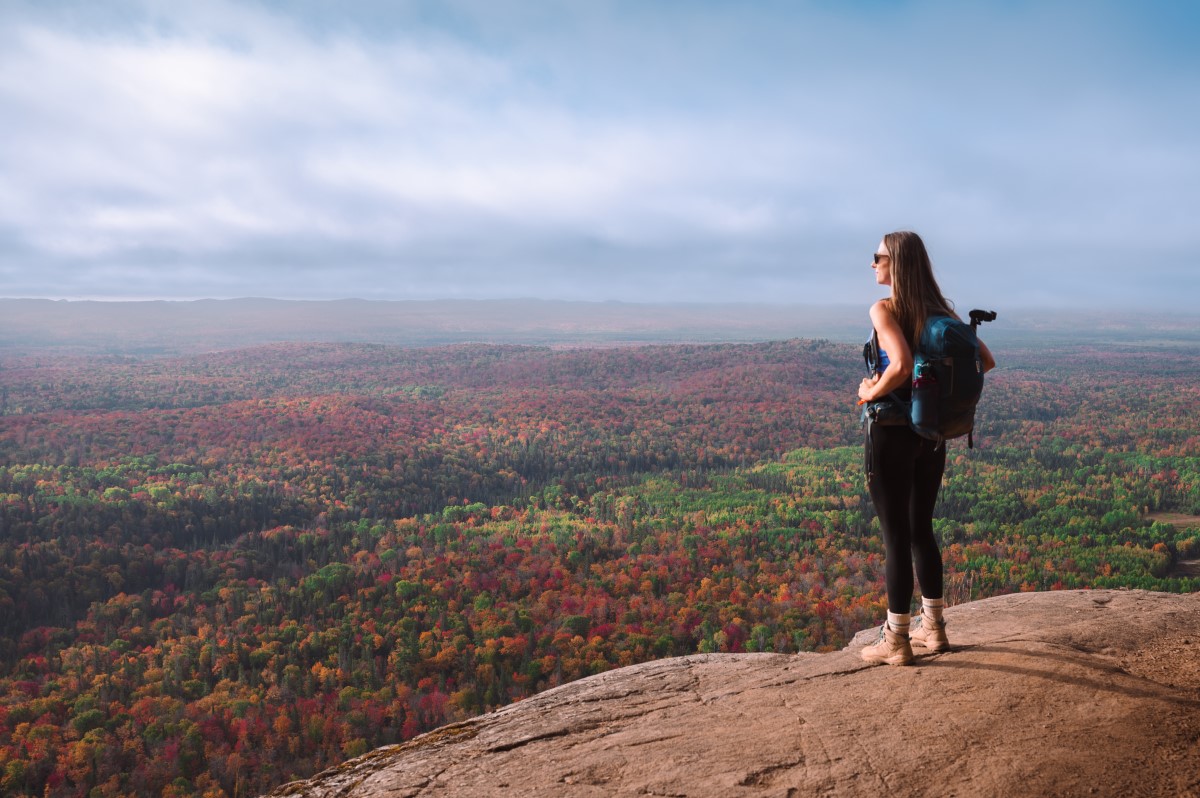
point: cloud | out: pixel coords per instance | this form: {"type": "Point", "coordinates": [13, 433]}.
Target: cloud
{"type": "Point", "coordinates": [599, 150]}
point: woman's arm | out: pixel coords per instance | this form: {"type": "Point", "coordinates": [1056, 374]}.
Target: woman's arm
{"type": "Point", "coordinates": [900, 359]}
{"type": "Point", "coordinates": [985, 354]}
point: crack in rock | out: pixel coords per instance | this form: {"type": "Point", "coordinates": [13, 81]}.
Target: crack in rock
{"type": "Point", "coordinates": [765, 777]}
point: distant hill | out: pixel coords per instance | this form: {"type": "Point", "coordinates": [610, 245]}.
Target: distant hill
{"type": "Point", "coordinates": [153, 328]}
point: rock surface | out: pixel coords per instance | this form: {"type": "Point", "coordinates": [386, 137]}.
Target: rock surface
{"type": "Point", "coordinates": [1088, 693]}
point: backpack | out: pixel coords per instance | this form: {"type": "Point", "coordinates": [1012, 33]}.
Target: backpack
{"type": "Point", "coordinates": [947, 379]}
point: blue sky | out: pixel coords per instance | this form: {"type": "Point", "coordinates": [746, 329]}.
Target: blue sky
{"type": "Point", "coordinates": [657, 150]}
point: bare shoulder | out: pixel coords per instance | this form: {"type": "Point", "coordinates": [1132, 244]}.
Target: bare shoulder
{"type": "Point", "coordinates": [882, 311]}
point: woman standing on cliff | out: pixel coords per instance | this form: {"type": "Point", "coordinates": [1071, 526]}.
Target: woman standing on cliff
{"type": "Point", "coordinates": [905, 470]}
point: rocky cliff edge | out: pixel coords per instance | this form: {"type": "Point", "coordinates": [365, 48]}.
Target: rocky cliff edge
{"type": "Point", "coordinates": [1073, 693]}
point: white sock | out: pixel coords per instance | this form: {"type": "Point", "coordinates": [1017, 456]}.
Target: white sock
{"type": "Point", "coordinates": [932, 608]}
{"type": "Point", "coordinates": [899, 622]}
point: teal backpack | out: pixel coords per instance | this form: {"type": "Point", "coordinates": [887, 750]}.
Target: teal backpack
{"type": "Point", "coordinates": [947, 380]}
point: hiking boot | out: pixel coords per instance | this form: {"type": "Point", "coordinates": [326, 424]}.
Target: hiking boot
{"type": "Point", "coordinates": [925, 631]}
{"type": "Point", "coordinates": [891, 647]}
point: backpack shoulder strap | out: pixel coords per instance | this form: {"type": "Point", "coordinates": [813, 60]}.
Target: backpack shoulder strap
{"type": "Point", "coordinates": [871, 352]}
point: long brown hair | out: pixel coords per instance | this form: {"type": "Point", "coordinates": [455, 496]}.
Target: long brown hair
{"type": "Point", "coordinates": [915, 293]}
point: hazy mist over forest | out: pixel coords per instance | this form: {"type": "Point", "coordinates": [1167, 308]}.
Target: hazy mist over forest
{"type": "Point", "coordinates": [166, 328]}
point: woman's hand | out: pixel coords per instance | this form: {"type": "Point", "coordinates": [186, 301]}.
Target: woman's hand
{"type": "Point", "coordinates": [866, 389]}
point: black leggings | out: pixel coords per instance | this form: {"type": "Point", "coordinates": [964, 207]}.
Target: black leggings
{"type": "Point", "coordinates": [904, 472]}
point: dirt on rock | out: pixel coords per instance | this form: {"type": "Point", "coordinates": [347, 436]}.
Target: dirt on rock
{"type": "Point", "coordinates": [1072, 693]}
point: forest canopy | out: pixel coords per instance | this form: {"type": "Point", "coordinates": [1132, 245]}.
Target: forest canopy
{"type": "Point", "coordinates": [221, 572]}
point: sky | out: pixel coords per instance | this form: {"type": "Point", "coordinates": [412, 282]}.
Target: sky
{"type": "Point", "coordinates": [600, 150]}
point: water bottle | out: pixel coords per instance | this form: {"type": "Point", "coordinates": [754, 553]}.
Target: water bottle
{"type": "Point", "coordinates": [924, 399]}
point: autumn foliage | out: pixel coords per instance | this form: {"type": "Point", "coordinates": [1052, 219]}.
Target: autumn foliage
{"type": "Point", "coordinates": [222, 572]}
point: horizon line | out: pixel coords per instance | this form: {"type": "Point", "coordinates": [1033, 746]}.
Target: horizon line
{"type": "Point", "coordinates": [1020, 308]}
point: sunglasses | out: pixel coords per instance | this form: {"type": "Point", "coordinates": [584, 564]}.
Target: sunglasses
{"type": "Point", "coordinates": [880, 256]}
